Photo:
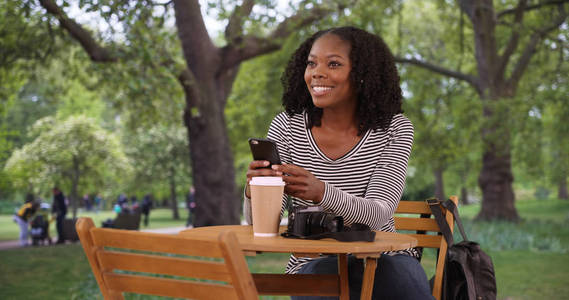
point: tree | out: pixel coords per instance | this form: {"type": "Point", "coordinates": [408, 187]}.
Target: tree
{"type": "Point", "coordinates": [497, 37]}
{"type": "Point", "coordinates": [160, 158]}
{"type": "Point", "coordinates": [543, 98]}
{"type": "Point", "coordinates": [438, 107]}
{"type": "Point", "coordinates": [206, 76]}
{"type": "Point", "coordinates": [74, 152]}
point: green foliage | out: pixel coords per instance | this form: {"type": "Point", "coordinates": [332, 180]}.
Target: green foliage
{"type": "Point", "coordinates": [541, 146]}
{"type": "Point", "coordinates": [160, 156]}
{"type": "Point", "coordinates": [74, 151]}
{"type": "Point", "coordinates": [22, 29]}
{"type": "Point", "coordinates": [535, 236]}
{"type": "Point", "coordinates": [444, 112]}
{"type": "Point", "coordinates": [143, 84]}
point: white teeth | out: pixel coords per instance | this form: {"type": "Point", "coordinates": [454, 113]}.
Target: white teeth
{"type": "Point", "coordinates": [321, 89]}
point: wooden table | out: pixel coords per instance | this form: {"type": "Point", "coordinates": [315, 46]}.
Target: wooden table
{"type": "Point", "coordinates": [312, 284]}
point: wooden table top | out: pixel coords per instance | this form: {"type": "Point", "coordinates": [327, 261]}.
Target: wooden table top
{"type": "Point", "coordinates": [384, 241]}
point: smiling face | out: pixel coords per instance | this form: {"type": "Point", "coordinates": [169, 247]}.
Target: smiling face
{"type": "Point", "coordinates": [327, 73]}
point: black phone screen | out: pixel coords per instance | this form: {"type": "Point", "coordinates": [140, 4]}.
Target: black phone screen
{"type": "Point", "coordinates": [263, 149]}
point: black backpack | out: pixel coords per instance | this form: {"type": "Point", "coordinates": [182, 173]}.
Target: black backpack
{"type": "Point", "coordinates": [468, 272]}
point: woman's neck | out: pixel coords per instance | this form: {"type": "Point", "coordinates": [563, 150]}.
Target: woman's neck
{"type": "Point", "coordinates": [339, 120]}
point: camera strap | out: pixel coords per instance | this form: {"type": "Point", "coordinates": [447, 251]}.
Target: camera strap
{"type": "Point", "coordinates": [356, 233]}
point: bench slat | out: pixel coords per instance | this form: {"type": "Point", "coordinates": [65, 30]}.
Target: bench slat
{"type": "Point", "coordinates": [154, 242]}
{"type": "Point", "coordinates": [191, 268]}
{"type": "Point", "coordinates": [428, 241]}
{"type": "Point", "coordinates": [413, 207]}
{"type": "Point", "coordinates": [168, 287]}
{"type": "Point", "coordinates": [406, 223]}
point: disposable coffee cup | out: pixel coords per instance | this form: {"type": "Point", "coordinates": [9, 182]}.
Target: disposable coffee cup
{"type": "Point", "coordinates": [266, 203]}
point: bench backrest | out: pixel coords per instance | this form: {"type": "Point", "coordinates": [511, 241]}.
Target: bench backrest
{"type": "Point", "coordinates": [165, 264]}
{"type": "Point", "coordinates": [416, 216]}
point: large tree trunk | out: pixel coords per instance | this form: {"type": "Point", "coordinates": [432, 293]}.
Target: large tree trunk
{"type": "Point", "coordinates": [496, 176]}
{"type": "Point", "coordinates": [212, 162]}
{"type": "Point", "coordinates": [206, 89]}
{"type": "Point", "coordinates": [439, 184]}
{"type": "Point", "coordinates": [495, 180]}
{"type": "Point", "coordinates": [214, 175]}
{"type": "Point", "coordinates": [562, 189]}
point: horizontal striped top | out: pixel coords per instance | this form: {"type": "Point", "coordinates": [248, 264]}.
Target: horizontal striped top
{"type": "Point", "coordinates": [363, 186]}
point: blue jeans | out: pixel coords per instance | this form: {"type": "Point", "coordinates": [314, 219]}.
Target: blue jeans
{"type": "Point", "coordinates": [397, 277]}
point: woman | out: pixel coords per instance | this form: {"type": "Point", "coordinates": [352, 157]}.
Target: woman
{"type": "Point", "coordinates": [345, 146]}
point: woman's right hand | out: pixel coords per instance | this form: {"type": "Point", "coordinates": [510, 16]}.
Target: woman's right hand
{"type": "Point", "coordinates": [258, 168]}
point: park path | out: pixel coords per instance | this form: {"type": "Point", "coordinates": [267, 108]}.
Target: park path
{"type": "Point", "coordinates": [171, 230]}
{"type": "Point", "coordinates": [4, 245]}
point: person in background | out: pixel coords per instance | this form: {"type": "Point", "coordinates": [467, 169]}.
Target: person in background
{"type": "Point", "coordinates": [345, 147]}
{"type": "Point", "coordinates": [98, 202]}
{"type": "Point", "coordinates": [59, 209]}
{"type": "Point", "coordinates": [122, 202]}
{"type": "Point", "coordinates": [23, 217]}
{"type": "Point", "coordinates": [134, 203]}
{"type": "Point", "coordinates": [87, 202]}
{"type": "Point", "coordinates": [146, 206]}
{"type": "Point", "coordinates": [191, 205]}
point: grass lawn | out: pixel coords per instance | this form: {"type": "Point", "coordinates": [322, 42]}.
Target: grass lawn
{"type": "Point", "coordinates": [43, 272]}
{"type": "Point", "coordinates": [159, 218]}
{"type": "Point", "coordinates": [530, 258]}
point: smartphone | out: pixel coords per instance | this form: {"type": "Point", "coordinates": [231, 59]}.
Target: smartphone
{"type": "Point", "coordinates": [263, 149]}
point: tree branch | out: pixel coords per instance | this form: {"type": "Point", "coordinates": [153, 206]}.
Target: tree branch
{"type": "Point", "coordinates": [514, 39]}
{"type": "Point", "coordinates": [440, 70]}
{"type": "Point", "coordinates": [234, 29]}
{"type": "Point", "coordinates": [530, 7]}
{"type": "Point", "coordinates": [199, 51]}
{"type": "Point", "coordinates": [467, 6]}
{"type": "Point", "coordinates": [252, 46]}
{"type": "Point", "coordinates": [532, 45]}
{"type": "Point", "coordinates": [95, 51]}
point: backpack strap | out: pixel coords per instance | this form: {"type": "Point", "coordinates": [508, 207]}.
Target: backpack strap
{"type": "Point", "coordinates": [435, 206]}
{"type": "Point", "coordinates": [449, 205]}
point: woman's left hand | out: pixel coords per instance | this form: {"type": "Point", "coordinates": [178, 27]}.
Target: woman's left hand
{"type": "Point", "coordinates": [301, 183]}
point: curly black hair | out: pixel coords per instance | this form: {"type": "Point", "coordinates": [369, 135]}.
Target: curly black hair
{"type": "Point", "coordinates": [374, 76]}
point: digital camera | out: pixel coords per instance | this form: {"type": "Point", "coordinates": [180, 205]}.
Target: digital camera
{"type": "Point", "coordinates": [306, 221]}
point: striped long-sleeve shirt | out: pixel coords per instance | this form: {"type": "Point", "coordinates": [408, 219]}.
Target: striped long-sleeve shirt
{"type": "Point", "coordinates": [363, 186]}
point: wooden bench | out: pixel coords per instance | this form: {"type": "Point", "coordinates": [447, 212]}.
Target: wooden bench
{"type": "Point", "coordinates": [166, 265]}
{"type": "Point", "coordinates": [416, 216]}
{"type": "Point", "coordinates": [129, 220]}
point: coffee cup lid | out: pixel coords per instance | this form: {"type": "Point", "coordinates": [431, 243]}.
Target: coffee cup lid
{"type": "Point", "coordinates": [267, 180]}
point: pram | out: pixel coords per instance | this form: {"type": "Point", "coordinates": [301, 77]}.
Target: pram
{"type": "Point", "coordinates": [40, 230]}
